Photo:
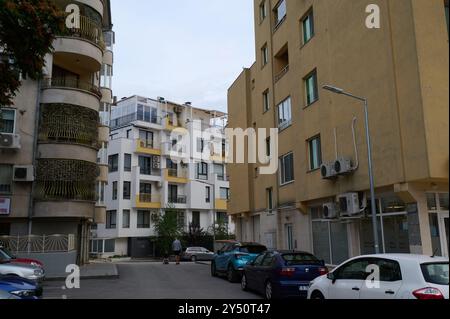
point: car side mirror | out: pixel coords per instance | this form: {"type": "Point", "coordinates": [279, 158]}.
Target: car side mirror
{"type": "Point", "coordinates": [331, 276]}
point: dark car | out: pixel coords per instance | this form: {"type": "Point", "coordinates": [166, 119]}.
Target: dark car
{"type": "Point", "coordinates": [20, 287]}
{"type": "Point", "coordinates": [232, 258]}
{"type": "Point", "coordinates": [282, 274]}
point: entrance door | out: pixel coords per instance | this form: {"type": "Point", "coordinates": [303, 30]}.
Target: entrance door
{"type": "Point", "coordinates": [443, 227]}
{"type": "Point", "coordinates": [290, 237]}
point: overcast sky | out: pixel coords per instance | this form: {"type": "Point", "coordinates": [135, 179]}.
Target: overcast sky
{"type": "Point", "coordinates": [183, 50]}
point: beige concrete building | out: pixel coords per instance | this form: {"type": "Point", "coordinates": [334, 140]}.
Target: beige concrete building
{"type": "Point", "coordinates": [52, 172]}
{"type": "Point", "coordinates": [402, 69]}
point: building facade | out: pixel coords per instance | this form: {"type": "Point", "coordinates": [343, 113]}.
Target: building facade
{"type": "Point", "coordinates": [146, 176]}
{"type": "Point", "coordinates": [52, 138]}
{"type": "Point", "coordinates": [402, 69]}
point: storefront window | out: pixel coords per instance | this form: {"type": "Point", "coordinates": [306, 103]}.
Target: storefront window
{"type": "Point", "coordinates": [366, 235]}
{"type": "Point", "coordinates": [339, 243]}
{"type": "Point", "coordinates": [396, 237]}
{"type": "Point", "coordinates": [431, 200]}
{"type": "Point", "coordinates": [443, 201]}
{"type": "Point", "coordinates": [435, 235]}
{"type": "Point", "coordinates": [321, 241]}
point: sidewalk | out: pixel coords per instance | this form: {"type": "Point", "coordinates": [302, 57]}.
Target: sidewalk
{"type": "Point", "coordinates": [92, 271]}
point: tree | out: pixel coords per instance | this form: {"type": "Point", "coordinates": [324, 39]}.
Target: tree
{"type": "Point", "coordinates": [167, 228]}
{"type": "Point", "coordinates": [27, 30]}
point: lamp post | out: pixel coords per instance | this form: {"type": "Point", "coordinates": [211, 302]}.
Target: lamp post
{"type": "Point", "coordinates": [369, 155]}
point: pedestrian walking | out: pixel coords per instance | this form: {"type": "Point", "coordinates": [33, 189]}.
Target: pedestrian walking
{"type": "Point", "coordinates": [177, 248]}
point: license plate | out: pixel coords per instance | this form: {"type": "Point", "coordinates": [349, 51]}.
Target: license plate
{"type": "Point", "coordinates": [303, 288]}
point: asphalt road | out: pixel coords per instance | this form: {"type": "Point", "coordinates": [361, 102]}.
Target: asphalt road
{"type": "Point", "coordinates": [153, 281]}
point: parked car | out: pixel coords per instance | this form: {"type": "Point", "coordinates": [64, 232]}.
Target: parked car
{"type": "Point", "coordinates": [282, 274]}
{"type": "Point", "coordinates": [14, 287]}
{"type": "Point", "coordinates": [197, 253]}
{"type": "Point", "coordinates": [231, 259]}
{"type": "Point", "coordinates": [10, 268]}
{"type": "Point", "coordinates": [401, 276]}
{"type": "Point", "coordinates": [7, 255]}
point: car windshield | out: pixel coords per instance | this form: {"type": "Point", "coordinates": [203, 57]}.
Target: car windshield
{"type": "Point", "coordinates": [4, 255]}
{"type": "Point", "coordinates": [436, 273]}
{"type": "Point", "coordinates": [252, 249]}
{"type": "Point", "coordinates": [300, 259]}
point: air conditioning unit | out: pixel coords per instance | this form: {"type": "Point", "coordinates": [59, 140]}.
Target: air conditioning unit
{"type": "Point", "coordinates": [349, 204]}
{"type": "Point", "coordinates": [9, 141]}
{"type": "Point", "coordinates": [156, 162]}
{"type": "Point", "coordinates": [343, 166]}
{"type": "Point", "coordinates": [328, 171]}
{"type": "Point", "coordinates": [23, 173]}
{"type": "Point", "coordinates": [330, 211]}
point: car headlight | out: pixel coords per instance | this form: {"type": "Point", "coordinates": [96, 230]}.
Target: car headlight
{"type": "Point", "coordinates": [23, 293]}
{"type": "Point", "coordinates": [35, 264]}
{"type": "Point", "coordinates": [38, 272]}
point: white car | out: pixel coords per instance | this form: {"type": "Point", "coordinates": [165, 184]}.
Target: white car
{"type": "Point", "coordinates": [387, 276]}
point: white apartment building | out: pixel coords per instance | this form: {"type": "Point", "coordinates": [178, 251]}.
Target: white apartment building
{"type": "Point", "coordinates": [145, 177]}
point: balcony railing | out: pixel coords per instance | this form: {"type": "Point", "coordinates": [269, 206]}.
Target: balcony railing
{"type": "Point", "coordinates": [89, 30]}
{"type": "Point", "coordinates": [127, 119]}
{"type": "Point", "coordinates": [282, 73]}
{"type": "Point", "coordinates": [179, 199]}
{"type": "Point", "coordinates": [72, 84]}
{"type": "Point", "coordinates": [148, 198]}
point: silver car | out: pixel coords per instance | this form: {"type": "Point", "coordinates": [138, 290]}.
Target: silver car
{"type": "Point", "coordinates": [198, 253]}
{"type": "Point", "coordinates": [29, 272]}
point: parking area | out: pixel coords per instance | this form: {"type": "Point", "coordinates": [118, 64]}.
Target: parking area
{"type": "Point", "coordinates": [150, 280]}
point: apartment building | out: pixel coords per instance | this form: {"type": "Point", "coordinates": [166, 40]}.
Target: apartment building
{"type": "Point", "coordinates": [51, 138]}
{"type": "Point", "coordinates": [146, 176]}
{"type": "Point", "coordinates": [320, 201]}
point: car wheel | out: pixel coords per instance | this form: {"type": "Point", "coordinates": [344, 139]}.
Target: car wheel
{"type": "Point", "coordinates": [317, 295]}
{"type": "Point", "coordinates": [244, 284]}
{"type": "Point", "coordinates": [194, 259]}
{"type": "Point", "coordinates": [213, 269]}
{"type": "Point", "coordinates": [231, 274]}
{"type": "Point", "coordinates": [268, 291]}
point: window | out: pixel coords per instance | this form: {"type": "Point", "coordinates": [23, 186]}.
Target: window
{"type": "Point", "coordinates": [315, 153]}
{"type": "Point", "coordinates": [224, 193]}
{"type": "Point", "coordinates": [219, 169]}
{"type": "Point", "coordinates": [126, 190]}
{"type": "Point", "coordinates": [222, 217]}
{"type": "Point", "coordinates": [265, 55]}
{"type": "Point", "coordinates": [447, 15]}
{"type": "Point", "coordinates": [129, 133]}
{"type": "Point", "coordinates": [145, 165]}
{"type": "Point", "coordinates": [173, 194]}
{"type": "Point", "coordinates": [266, 101]}
{"type": "Point", "coordinates": [143, 219]}
{"type": "Point", "coordinates": [208, 194]}
{"type": "Point", "coordinates": [287, 168]}
{"type": "Point", "coordinates": [354, 270]}
{"type": "Point", "coordinates": [113, 162]}
{"type": "Point", "coordinates": [308, 27]}
{"type": "Point", "coordinates": [280, 13]}
{"type": "Point", "coordinates": [111, 219]}
{"type": "Point", "coordinates": [126, 218]}
{"type": "Point", "coordinates": [7, 121]}
{"type": "Point", "coordinates": [202, 171]}
{"type": "Point", "coordinates": [200, 145]}
{"type": "Point", "coordinates": [114, 191]}
{"type": "Point", "coordinates": [284, 114]}
{"type": "Point", "coordinates": [6, 174]}
{"type": "Point", "coordinates": [262, 11]}
{"type": "Point", "coordinates": [196, 219]}
{"type": "Point", "coordinates": [268, 147]}
{"type": "Point", "coordinates": [146, 138]}
{"type": "Point", "coordinates": [389, 270]}
{"type": "Point", "coordinates": [127, 163]}
{"type": "Point", "coordinates": [312, 93]}
{"type": "Point", "coordinates": [269, 196]}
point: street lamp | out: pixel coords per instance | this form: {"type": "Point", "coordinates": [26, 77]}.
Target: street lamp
{"type": "Point", "coordinates": [340, 91]}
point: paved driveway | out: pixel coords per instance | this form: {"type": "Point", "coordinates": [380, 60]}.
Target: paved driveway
{"type": "Point", "coordinates": [140, 280]}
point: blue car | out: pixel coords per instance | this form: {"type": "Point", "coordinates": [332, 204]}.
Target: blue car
{"type": "Point", "coordinates": [282, 274]}
{"type": "Point", "coordinates": [20, 287]}
{"type": "Point", "coordinates": [233, 257]}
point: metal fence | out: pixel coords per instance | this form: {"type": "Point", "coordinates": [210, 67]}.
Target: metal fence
{"type": "Point", "coordinates": [38, 244]}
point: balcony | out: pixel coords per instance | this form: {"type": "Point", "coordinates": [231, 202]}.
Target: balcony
{"type": "Point", "coordinates": [144, 147]}
{"type": "Point", "coordinates": [171, 124]}
{"type": "Point", "coordinates": [148, 201]}
{"type": "Point", "coordinates": [88, 30]}
{"type": "Point", "coordinates": [221, 204]}
{"type": "Point", "coordinates": [177, 176]}
{"type": "Point", "coordinates": [281, 63]}
{"type": "Point", "coordinates": [179, 199]}
{"type": "Point", "coordinates": [72, 84]}
{"type": "Point", "coordinates": [280, 74]}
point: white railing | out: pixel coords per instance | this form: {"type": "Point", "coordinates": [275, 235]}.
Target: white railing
{"type": "Point", "coordinates": [38, 244]}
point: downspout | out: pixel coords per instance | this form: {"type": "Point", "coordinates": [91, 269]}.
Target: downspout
{"type": "Point", "coordinates": [34, 152]}
{"type": "Point", "coordinates": [356, 166]}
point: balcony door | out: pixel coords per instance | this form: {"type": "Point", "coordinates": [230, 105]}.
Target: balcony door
{"type": "Point", "coordinates": [146, 138]}
{"type": "Point", "coordinates": [145, 191]}
{"type": "Point", "coordinates": [173, 194]}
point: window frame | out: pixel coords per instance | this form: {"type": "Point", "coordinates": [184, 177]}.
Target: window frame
{"type": "Point", "coordinates": [113, 165]}
{"type": "Point", "coordinates": [8, 173]}
{"type": "Point", "coordinates": [127, 159]}
{"type": "Point", "coordinates": [126, 190]}
{"type": "Point", "coordinates": [282, 179]}
{"type": "Point", "coordinates": [14, 111]}
{"type": "Point", "coordinates": [281, 106]}
{"type": "Point", "coordinates": [126, 212]}
{"type": "Point", "coordinates": [264, 55]}
{"type": "Point", "coordinates": [115, 191]}
{"type": "Point", "coordinates": [142, 214]}
{"type": "Point", "coordinates": [262, 11]}
{"type": "Point", "coordinates": [269, 198]}
{"type": "Point", "coordinates": [266, 101]}
{"type": "Point", "coordinates": [278, 22]}
{"type": "Point", "coordinates": [109, 219]}
{"type": "Point", "coordinates": [208, 194]}
{"type": "Point", "coordinates": [312, 74]}
{"type": "Point", "coordinates": [201, 168]}
{"type": "Point", "coordinates": [308, 16]}
{"type": "Point", "coordinates": [311, 154]}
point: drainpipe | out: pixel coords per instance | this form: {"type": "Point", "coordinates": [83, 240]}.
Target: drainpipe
{"type": "Point", "coordinates": [34, 152]}
{"type": "Point", "coordinates": [356, 166]}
